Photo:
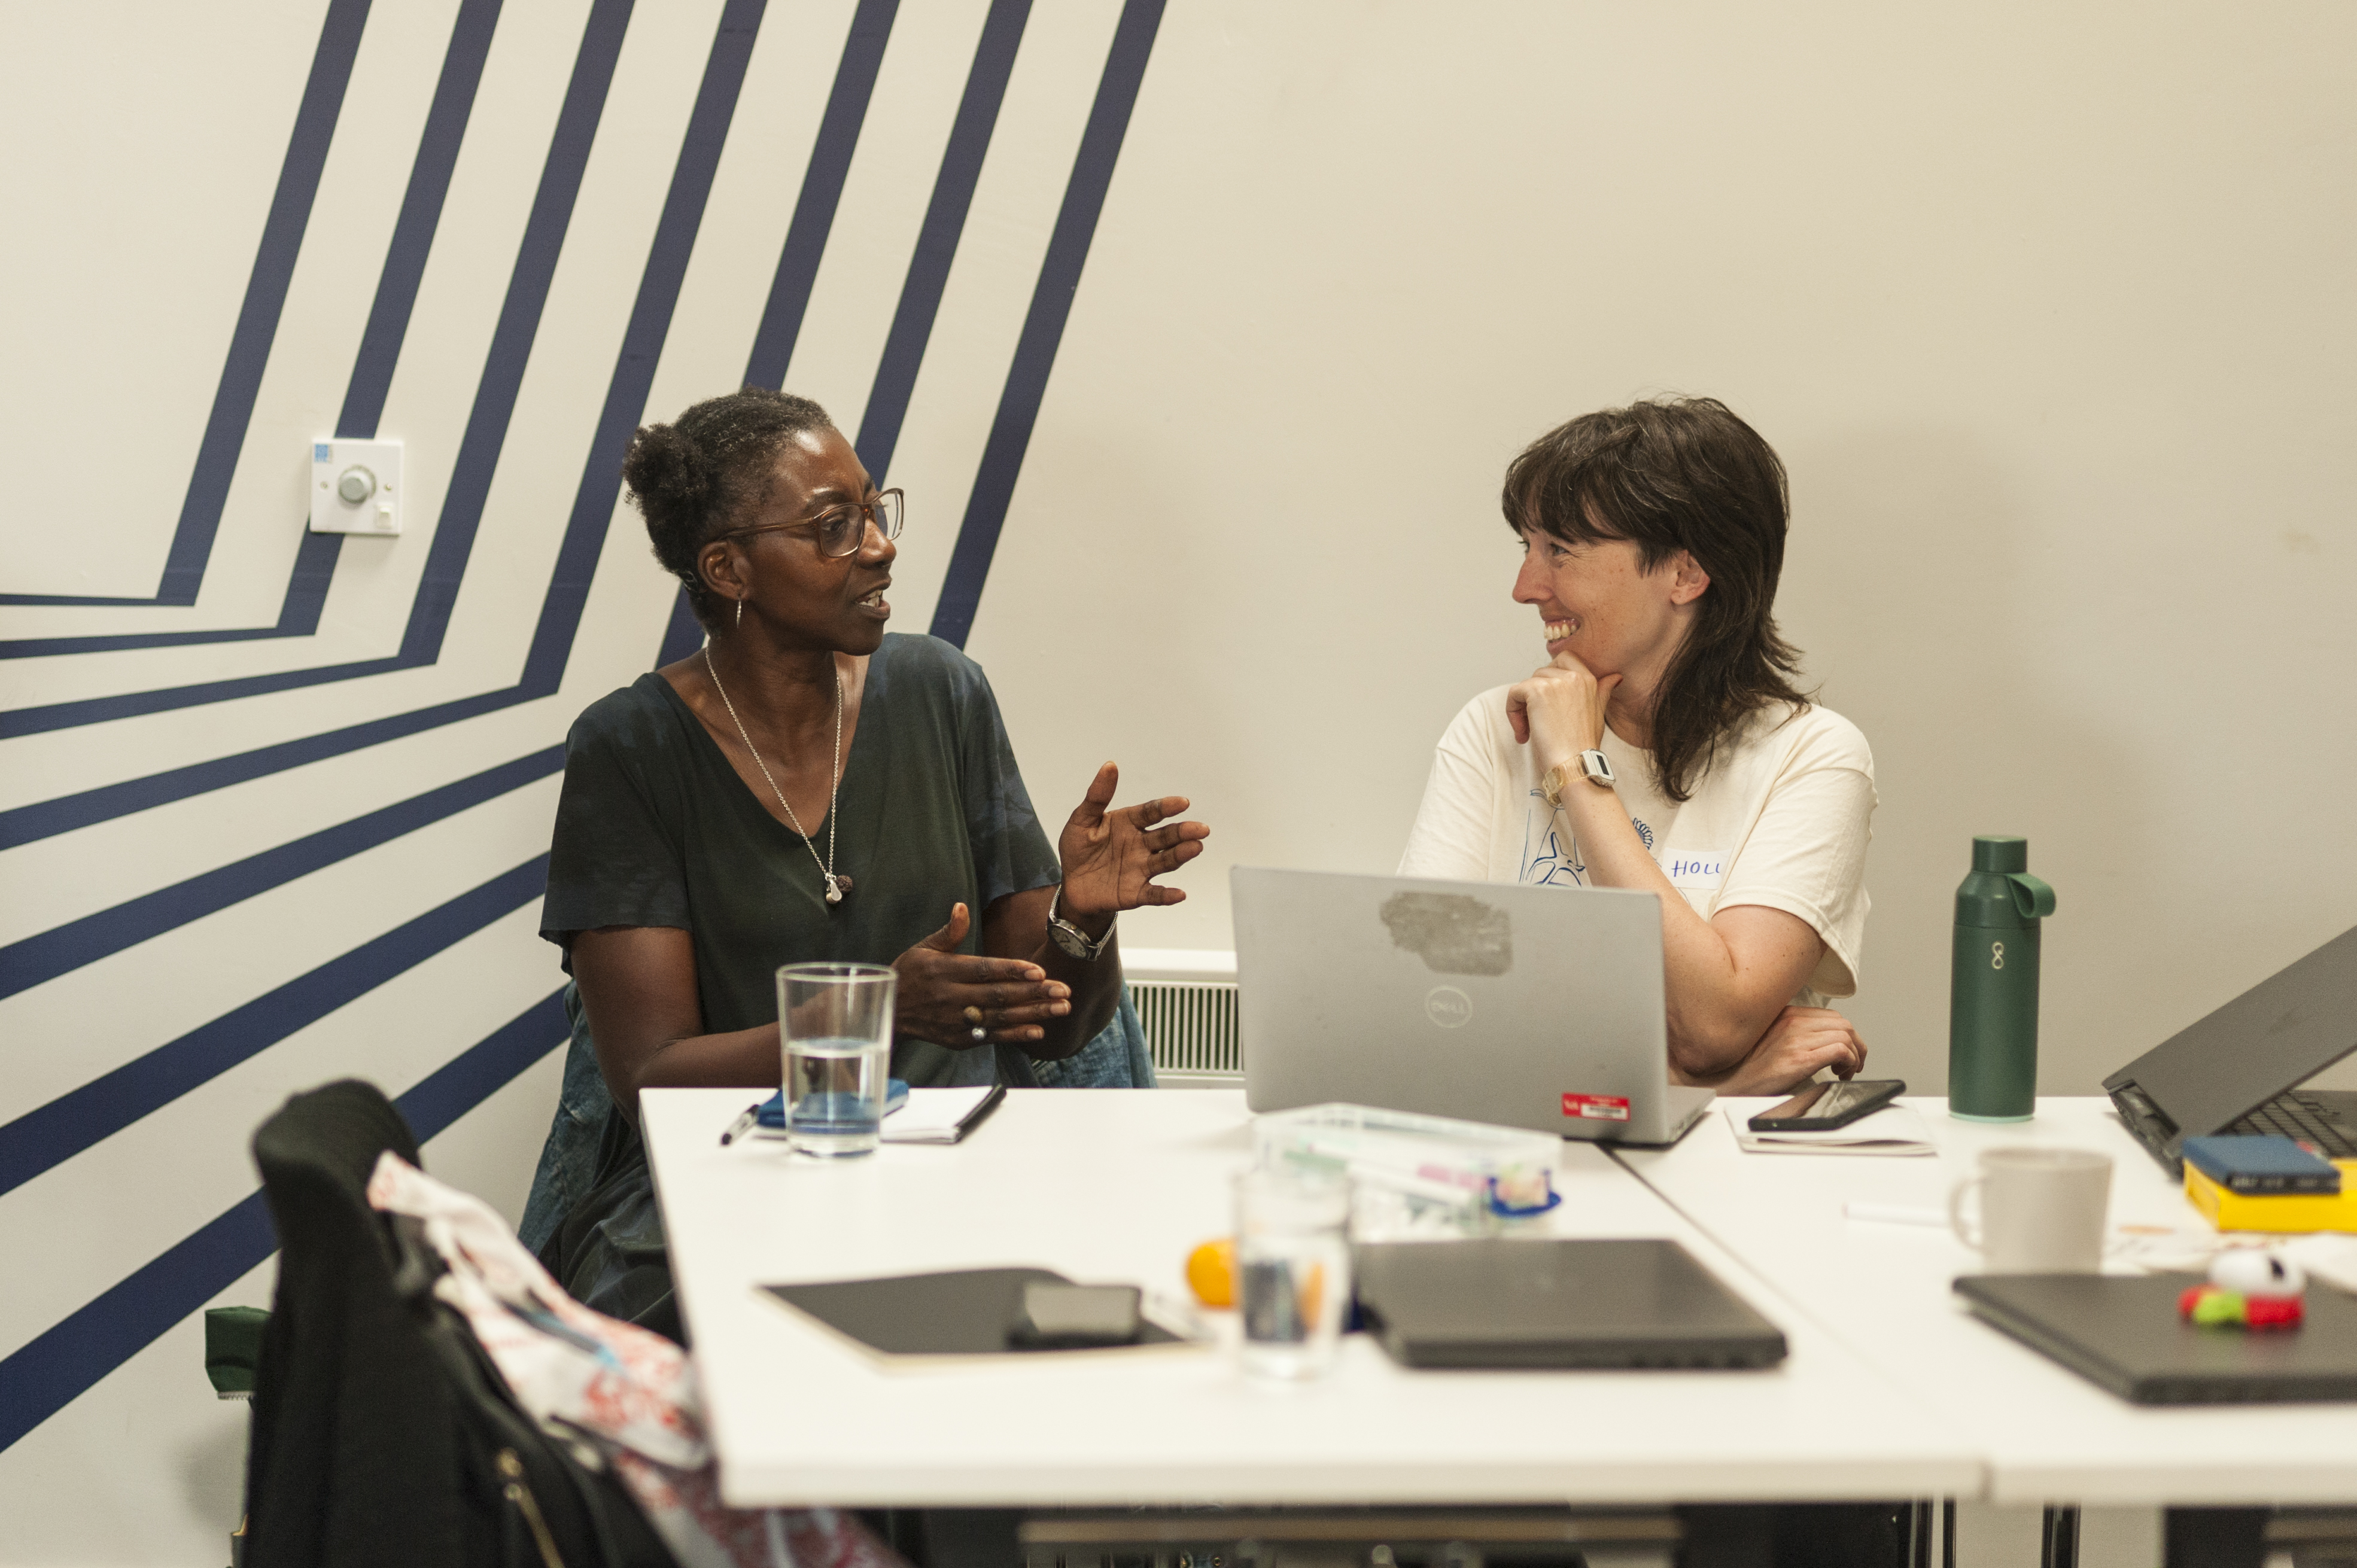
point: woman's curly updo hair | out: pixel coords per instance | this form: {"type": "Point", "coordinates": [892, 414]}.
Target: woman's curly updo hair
{"type": "Point", "coordinates": [1669, 475]}
{"type": "Point", "coordinates": [695, 478]}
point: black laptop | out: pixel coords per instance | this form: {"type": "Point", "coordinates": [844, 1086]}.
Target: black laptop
{"type": "Point", "coordinates": [1556, 1304]}
{"type": "Point", "coordinates": [2239, 1070]}
{"type": "Point", "coordinates": [2124, 1333]}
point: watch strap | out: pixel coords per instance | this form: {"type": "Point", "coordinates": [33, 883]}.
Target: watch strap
{"type": "Point", "coordinates": [1070, 938]}
{"type": "Point", "coordinates": [1591, 765]}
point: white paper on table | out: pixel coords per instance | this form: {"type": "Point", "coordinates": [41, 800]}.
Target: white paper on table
{"type": "Point", "coordinates": [1893, 1130]}
{"type": "Point", "coordinates": [934, 1115]}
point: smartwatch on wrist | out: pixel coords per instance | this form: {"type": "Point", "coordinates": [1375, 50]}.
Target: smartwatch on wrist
{"type": "Point", "coordinates": [1593, 766]}
{"type": "Point", "coordinates": [1070, 938]}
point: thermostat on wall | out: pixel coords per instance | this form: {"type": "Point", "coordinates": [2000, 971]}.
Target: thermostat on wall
{"type": "Point", "coordinates": [355, 487]}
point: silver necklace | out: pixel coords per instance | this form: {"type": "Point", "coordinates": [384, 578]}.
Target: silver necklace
{"type": "Point", "coordinates": [836, 887]}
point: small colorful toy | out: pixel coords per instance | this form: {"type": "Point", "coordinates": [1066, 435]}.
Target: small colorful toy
{"type": "Point", "coordinates": [2247, 1289]}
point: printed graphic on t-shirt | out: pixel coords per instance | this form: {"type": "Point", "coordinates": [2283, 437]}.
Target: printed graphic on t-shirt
{"type": "Point", "coordinates": [1551, 856]}
{"type": "Point", "coordinates": [1550, 853]}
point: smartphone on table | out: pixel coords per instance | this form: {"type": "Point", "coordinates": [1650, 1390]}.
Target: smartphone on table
{"type": "Point", "coordinates": [1822, 1107]}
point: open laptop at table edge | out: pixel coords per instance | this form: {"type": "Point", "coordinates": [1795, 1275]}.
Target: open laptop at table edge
{"type": "Point", "coordinates": [2239, 1069]}
{"type": "Point", "coordinates": [1332, 945]}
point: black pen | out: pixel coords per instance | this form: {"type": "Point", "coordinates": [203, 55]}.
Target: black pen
{"type": "Point", "coordinates": [738, 1128]}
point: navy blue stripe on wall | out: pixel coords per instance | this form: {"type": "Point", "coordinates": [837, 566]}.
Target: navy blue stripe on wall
{"type": "Point", "coordinates": [43, 819]}
{"type": "Point", "coordinates": [62, 949]}
{"type": "Point", "coordinates": [585, 534]}
{"type": "Point", "coordinates": [64, 1127]}
{"type": "Point", "coordinates": [298, 613]}
{"type": "Point", "coordinates": [49, 1135]}
{"type": "Point", "coordinates": [937, 240]}
{"type": "Point", "coordinates": [59, 950]}
{"type": "Point", "coordinates": [822, 192]}
{"type": "Point", "coordinates": [1043, 326]}
{"type": "Point", "coordinates": [53, 952]}
{"type": "Point", "coordinates": [74, 1354]}
{"type": "Point", "coordinates": [58, 1366]}
{"type": "Point", "coordinates": [486, 429]}
{"type": "Point", "coordinates": [487, 420]}
{"type": "Point", "coordinates": [421, 216]}
{"type": "Point", "coordinates": [379, 351]}
{"type": "Point", "coordinates": [257, 317]}
{"type": "Point", "coordinates": [642, 343]}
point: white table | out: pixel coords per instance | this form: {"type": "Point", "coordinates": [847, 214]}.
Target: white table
{"type": "Point", "coordinates": [1118, 1186]}
{"type": "Point", "coordinates": [2048, 1434]}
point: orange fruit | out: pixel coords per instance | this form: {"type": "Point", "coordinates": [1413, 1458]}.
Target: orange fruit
{"type": "Point", "coordinates": [1212, 1273]}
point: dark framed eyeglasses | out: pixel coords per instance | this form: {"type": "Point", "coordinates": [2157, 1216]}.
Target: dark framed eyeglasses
{"type": "Point", "coordinates": [840, 530]}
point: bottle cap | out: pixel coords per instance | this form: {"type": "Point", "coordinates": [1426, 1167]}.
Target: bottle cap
{"type": "Point", "coordinates": [1998, 853]}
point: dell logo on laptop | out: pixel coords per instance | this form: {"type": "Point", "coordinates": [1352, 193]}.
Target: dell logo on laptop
{"type": "Point", "coordinates": [1449, 1007]}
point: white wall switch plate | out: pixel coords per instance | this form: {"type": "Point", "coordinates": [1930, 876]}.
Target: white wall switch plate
{"type": "Point", "coordinates": [355, 487]}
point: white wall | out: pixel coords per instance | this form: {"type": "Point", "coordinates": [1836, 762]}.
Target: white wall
{"type": "Point", "coordinates": [2045, 310]}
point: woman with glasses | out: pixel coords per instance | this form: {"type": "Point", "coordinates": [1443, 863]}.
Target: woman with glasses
{"type": "Point", "coordinates": [1664, 747]}
{"type": "Point", "coordinates": [806, 786]}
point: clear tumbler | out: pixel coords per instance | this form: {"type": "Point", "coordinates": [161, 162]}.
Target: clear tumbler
{"type": "Point", "coordinates": [834, 1022]}
{"type": "Point", "coordinates": [1293, 1270]}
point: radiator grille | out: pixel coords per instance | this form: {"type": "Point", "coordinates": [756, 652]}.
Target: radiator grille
{"type": "Point", "coordinates": [1190, 1029]}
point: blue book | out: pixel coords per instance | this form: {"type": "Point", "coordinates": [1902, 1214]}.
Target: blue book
{"type": "Point", "coordinates": [2261, 1165]}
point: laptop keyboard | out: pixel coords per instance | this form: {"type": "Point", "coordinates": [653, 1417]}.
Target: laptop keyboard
{"type": "Point", "coordinates": [2294, 1115]}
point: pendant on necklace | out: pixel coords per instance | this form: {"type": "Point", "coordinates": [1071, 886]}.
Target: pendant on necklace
{"type": "Point", "coordinates": [836, 887]}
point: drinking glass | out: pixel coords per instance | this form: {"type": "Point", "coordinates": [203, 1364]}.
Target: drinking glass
{"type": "Point", "coordinates": [1293, 1270]}
{"type": "Point", "coordinates": [834, 1022]}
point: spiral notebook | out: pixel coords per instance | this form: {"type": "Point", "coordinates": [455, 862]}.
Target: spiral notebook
{"type": "Point", "coordinates": [944, 1115]}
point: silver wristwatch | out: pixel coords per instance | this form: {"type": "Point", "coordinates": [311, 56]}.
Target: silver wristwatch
{"type": "Point", "coordinates": [1070, 938]}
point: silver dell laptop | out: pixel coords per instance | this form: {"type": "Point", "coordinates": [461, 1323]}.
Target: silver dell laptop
{"type": "Point", "coordinates": [1536, 1008]}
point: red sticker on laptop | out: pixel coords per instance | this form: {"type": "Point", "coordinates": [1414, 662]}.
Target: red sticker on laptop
{"type": "Point", "coordinates": [1597, 1107]}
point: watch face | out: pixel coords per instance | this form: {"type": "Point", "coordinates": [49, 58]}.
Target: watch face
{"type": "Point", "coordinates": [1070, 938]}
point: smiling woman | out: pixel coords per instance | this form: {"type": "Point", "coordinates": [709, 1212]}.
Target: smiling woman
{"type": "Point", "coordinates": [1664, 747]}
{"type": "Point", "coordinates": [807, 786]}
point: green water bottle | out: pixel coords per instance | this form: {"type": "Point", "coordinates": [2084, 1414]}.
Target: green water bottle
{"type": "Point", "coordinates": [1993, 987]}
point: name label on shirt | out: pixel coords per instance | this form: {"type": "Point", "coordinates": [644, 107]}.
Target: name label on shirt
{"type": "Point", "coordinates": [1701, 870]}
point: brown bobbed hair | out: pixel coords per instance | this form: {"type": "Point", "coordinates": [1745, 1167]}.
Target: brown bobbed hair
{"type": "Point", "coordinates": [695, 478]}
{"type": "Point", "coordinates": [1669, 475]}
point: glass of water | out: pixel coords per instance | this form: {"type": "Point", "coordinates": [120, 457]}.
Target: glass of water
{"type": "Point", "coordinates": [834, 1022]}
{"type": "Point", "coordinates": [1293, 1270]}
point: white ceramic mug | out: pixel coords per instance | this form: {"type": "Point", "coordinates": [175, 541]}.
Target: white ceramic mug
{"type": "Point", "coordinates": [2041, 1210]}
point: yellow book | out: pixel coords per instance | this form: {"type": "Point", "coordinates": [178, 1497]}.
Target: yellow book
{"type": "Point", "coordinates": [2283, 1212]}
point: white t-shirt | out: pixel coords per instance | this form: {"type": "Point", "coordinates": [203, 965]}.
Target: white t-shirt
{"type": "Point", "coordinates": [1782, 819]}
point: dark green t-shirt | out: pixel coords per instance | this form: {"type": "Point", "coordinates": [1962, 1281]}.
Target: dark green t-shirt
{"type": "Point", "coordinates": [654, 828]}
